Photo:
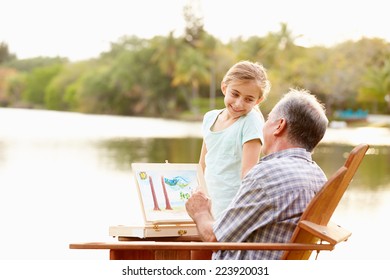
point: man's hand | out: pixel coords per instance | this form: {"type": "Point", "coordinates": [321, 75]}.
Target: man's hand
{"type": "Point", "coordinates": [199, 208]}
{"type": "Point", "coordinates": [198, 203]}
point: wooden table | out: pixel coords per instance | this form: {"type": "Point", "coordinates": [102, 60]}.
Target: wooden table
{"type": "Point", "coordinates": [140, 248]}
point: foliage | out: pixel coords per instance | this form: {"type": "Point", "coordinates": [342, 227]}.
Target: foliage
{"type": "Point", "coordinates": [376, 86]}
{"type": "Point", "coordinates": [62, 93]}
{"type": "Point", "coordinates": [6, 76]}
{"type": "Point", "coordinates": [36, 83]}
{"type": "Point", "coordinates": [5, 55]}
{"type": "Point", "coordinates": [28, 65]}
{"type": "Point", "coordinates": [170, 76]}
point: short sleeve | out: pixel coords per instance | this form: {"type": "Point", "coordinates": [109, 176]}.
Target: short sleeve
{"type": "Point", "coordinates": [253, 127]}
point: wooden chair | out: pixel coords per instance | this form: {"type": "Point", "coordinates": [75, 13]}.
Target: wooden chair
{"type": "Point", "coordinates": [313, 229]}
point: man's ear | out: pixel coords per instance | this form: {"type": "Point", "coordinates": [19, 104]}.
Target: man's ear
{"type": "Point", "coordinates": [223, 88]}
{"type": "Point", "coordinates": [280, 126]}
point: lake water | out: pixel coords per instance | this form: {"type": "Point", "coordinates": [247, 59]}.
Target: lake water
{"type": "Point", "coordinates": [66, 177]}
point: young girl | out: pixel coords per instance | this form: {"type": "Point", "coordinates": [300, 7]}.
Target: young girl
{"type": "Point", "coordinates": [232, 136]}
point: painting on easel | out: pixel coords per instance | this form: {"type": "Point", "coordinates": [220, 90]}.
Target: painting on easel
{"type": "Point", "coordinates": [164, 189]}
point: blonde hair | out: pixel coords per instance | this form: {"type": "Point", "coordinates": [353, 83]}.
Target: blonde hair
{"type": "Point", "coordinates": [249, 71]}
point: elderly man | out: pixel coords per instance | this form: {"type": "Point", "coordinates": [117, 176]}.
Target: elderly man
{"type": "Point", "coordinates": [274, 194]}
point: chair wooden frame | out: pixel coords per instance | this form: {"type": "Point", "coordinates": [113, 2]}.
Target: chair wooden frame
{"type": "Point", "coordinates": [313, 229]}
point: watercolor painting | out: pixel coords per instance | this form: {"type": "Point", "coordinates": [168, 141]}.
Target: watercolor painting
{"type": "Point", "coordinates": [165, 188]}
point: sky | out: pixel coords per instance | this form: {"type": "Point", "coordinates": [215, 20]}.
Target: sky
{"type": "Point", "coordinates": [82, 29]}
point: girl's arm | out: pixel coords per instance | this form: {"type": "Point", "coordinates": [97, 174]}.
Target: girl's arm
{"type": "Point", "coordinates": [250, 155]}
{"type": "Point", "coordinates": [202, 157]}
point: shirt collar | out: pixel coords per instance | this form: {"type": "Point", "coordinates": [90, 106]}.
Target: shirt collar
{"type": "Point", "coordinates": [292, 152]}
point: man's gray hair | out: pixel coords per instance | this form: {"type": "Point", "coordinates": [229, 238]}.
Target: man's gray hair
{"type": "Point", "coordinates": [305, 117]}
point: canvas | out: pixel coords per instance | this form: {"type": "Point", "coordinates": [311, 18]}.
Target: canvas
{"type": "Point", "coordinates": [164, 188]}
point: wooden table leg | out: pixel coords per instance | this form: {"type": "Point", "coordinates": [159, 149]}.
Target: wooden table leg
{"type": "Point", "coordinates": [121, 254]}
{"type": "Point", "coordinates": [173, 255]}
{"type": "Point", "coordinates": [201, 255]}
{"type": "Point", "coordinates": [132, 254]}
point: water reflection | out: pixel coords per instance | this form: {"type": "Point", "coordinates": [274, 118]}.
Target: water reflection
{"type": "Point", "coordinates": [373, 174]}
{"type": "Point", "coordinates": [120, 153]}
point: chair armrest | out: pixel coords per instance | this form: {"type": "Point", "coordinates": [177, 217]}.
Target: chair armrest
{"type": "Point", "coordinates": [158, 245]}
{"type": "Point", "coordinates": [331, 233]}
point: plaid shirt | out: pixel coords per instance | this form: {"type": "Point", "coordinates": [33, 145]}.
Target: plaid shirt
{"type": "Point", "coordinates": [270, 202]}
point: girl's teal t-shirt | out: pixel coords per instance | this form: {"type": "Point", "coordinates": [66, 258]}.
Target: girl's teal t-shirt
{"type": "Point", "coordinates": [224, 155]}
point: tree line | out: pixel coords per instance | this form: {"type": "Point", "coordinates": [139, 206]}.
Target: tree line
{"type": "Point", "coordinates": [179, 76]}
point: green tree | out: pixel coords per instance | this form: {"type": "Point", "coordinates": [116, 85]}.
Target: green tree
{"type": "Point", "coordinates": [29, 64]}
{"type": "Point", "coordinates": [376, 86]}
{"type": "Point", "coordinates": [212, 48]}
{"type": "Point", "coordinates": [166, 54]}
{"type": "Point", "coordinates": [5, 54]}
{"type": "Point", "coordinates": [192, 69]}
{"type": "Point", "coordinates": [194, 27]}
{"type": "Point", "coordinates": [14, 88]}
{"type": "Point", "coordinates": [346, 64]}
{"type": "Point", "coordinates": [36, 83]}
{"type": "Point", "coordinates": [62, 93]}
{"type": "Point", "coordinates": [130, 81]}
{"type": "Point", "coordinates": [6, 75]}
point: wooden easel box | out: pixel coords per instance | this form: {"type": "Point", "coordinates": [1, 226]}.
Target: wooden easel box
{"type": "Point", "coordinates": [156, 176]}
{"type": "Point", "coordinates": [156, 230]}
